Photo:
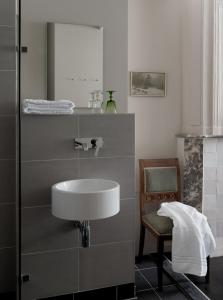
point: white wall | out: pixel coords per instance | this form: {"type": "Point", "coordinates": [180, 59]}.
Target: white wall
{"type": "Point", "coordinates": [112, 15]}
{"type": "Point", "coordinates": [154, 44]}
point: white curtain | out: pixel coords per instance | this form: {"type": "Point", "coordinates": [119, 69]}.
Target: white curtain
{"type": "Point", "coordinates": [218, 68]}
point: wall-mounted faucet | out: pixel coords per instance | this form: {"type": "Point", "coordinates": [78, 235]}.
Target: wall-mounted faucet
{"type": "Point", "coordinates": [89, 143]}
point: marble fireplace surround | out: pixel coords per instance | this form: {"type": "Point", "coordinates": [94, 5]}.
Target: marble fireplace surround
{"type": "Point", "coordinates": [201, 161]}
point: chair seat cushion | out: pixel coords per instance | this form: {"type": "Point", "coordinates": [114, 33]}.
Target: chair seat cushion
{"type": "Point", "coordinates": [162, 225]}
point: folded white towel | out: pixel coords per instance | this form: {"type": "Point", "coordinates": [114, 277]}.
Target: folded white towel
{"type": "Point", "coordinates": [48, 111]}
{"type": "Point", "coordinates": [38, 106]}
{"type": "Point", "coordinates": [192, 241]}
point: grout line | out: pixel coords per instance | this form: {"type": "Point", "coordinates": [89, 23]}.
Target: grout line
{"type": "Point", "coordinates": [153, 289]}
{"type": "Point", "coordinates": [38, 206]}
{"type": "Point", "coordinates": [146, 279]}
{"type": "Point", "coordinates": [48, 251]}
{"type": "Point", "coordinates": [8, 115]}
{"type": "Point", "coordinates": [8, 26]}
{"type": "Point", "coordinates": [7, 203]}
{"type": "Point", "coordinates": [49, 160]}
{"type": "Point", "coordinates": [5, 70]}
{"type": "Point", "coordinates": [7, 159]}
{"type": "Point", "coordinates": [9, 247]}
{"type": "Point", "coordinates": [77, 158]}
{"type": "Point", "coordinates": [146, 268]}
{"type": "Point", "coordinates": [145, 290]}
{"type": "Point", "coordinates": [108, 157]}
{"type": "Point", "coordinates": [74, 248]}
{"type": "Point", "coordinates": [157, 294]}
{"type": "Point", "coordinates": [111, 243]}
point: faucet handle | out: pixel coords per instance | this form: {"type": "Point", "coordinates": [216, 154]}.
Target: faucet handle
{"type": "Point", "coordinates": [99, 144]}
{"type": "Point", "coordinates": [85, 146]}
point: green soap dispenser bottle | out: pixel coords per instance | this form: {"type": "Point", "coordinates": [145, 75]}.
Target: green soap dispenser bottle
{"type": "Point", "coordinates": [111, 104]}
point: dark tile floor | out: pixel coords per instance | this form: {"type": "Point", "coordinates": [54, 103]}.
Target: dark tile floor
{"type": "Point", "coordinates": [146, 283]}
{"type": "Point", "coordinates": [214, 290]}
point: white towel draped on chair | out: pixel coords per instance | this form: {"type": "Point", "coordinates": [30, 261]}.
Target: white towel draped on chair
{"type": "Point", "coordinates": [39, 106]}
{"type": "Point", "coordinates": [192, 240]}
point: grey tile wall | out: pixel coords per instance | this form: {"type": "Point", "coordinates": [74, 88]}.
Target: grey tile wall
{"type": "Point", "coordinates": [7, 134]}
{"type": "Point", "coordinates": [48, 157]}
{"type": "Point", "coordinates": [7, 13]}
{"type": "Point", "coordinates": [117, 133]}
{"type": "Point", "coordinates": [8, 269]}
{"type": "Point", "coordinates": [51, 274]}
{"type": "Point", "coordinates": [7, 88]}
{"type": "Point", "coordinates": [41, 231]}
{"type": "Point", "coordinates": [7, 182]}
{"type": "Point", "coordinates": [120, 169]}
{"type": "Point", "coordinates": [7, 49]}
{"type": "Point", "coordinates": [7, 146]}
{"type": "Point", "coordinates": [39, 176]}
{"type": "Point", "coordinates": [106, 265]}
{"type": "Point", "coordinates": [7, 225]}
{"type": "Point", "coordinates": [45, 138]}
{"type": "Point", "coordinates": [118, 228]}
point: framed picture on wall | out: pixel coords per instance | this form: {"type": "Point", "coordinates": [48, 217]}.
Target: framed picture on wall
{"type": "Point", "coordinates": [147, 84]}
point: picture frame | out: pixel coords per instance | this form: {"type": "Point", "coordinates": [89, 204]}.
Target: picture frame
{"type": "Point", "coordinates": [147, 84]}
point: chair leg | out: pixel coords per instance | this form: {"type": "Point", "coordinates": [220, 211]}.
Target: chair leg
{"type": "Point", "coordinates": [160, 264]}
{"type": "Point", "coordinates": [207, 277]}
{"type": "Point", "coordinates": [141, 242]}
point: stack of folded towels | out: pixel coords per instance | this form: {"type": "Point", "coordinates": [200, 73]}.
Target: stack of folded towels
{"type": "Point", "coordinates": [45, 107]}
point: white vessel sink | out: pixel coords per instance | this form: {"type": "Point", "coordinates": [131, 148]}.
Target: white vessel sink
{"type": "Point", "coordinates": [85, 199]}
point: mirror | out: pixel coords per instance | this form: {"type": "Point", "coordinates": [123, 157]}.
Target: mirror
{"type": "Point", "coordinates": [74, 62]}
{"type": "Point", "coordinates": [69, 64]}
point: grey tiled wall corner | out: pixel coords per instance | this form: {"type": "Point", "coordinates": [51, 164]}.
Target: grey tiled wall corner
{"type": "Point", "coordinates": [7, 146]}
{"type": "Point", "coordinates": [50, 160]}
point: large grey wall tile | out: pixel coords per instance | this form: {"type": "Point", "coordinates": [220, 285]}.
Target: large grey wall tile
{"type": "Point", "coordinates": [7, 137]}
{"type": "Point", "coordinates": [121, 170]}
{"type": "Point", "coordinates": [7, 182]}
{"type": "Point", "coordinates": [41, 231]}
{"type": "Point", "coordinates": [117, 131]}
{"type": "Point", "coordinates": [7, 12]}
{"type": "Point", "coordinates": [7, 48]}
{"type": "Point", "coordinates": [8, 92]}
{"type": "Point", "coordinates": [106, 265]}
{"type": "Point", "coordinates": [38, 177]}
{"type": "Point", "coordinates": [48, 137]}
{"type": "Point", "coordinates": [7, 225]}
{"type": "Point", "coordinates": [51, 274]}
{"type": "Point", "coordinates": [117, 228]}
{"type": "Point", "coordinates": [7, 270]}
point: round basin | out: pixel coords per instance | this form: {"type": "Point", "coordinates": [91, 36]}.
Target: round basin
{"type": "Point", "coordinates": [85, 199]}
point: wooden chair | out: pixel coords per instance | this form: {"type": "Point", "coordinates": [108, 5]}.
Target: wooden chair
{"type": "Point", "coordinates": [160, 182]}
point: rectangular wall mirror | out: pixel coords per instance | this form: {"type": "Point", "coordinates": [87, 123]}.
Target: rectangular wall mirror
{"type": "Point", "coordinates": [74, 62]}
{"type": "Point", "coordinates": [67, 62]}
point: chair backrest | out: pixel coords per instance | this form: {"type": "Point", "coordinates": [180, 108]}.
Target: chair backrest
{"type": "Point", "coordinates": [159, 181]}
